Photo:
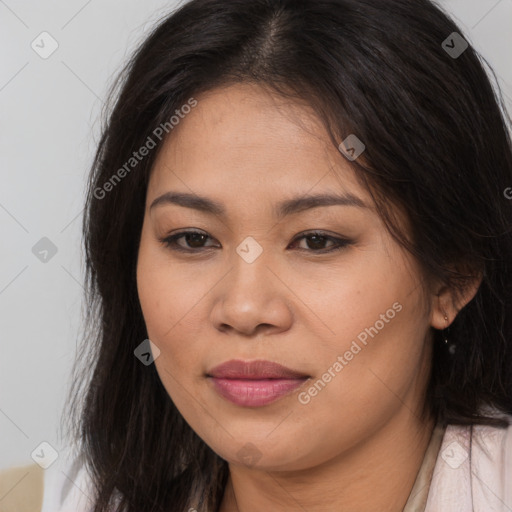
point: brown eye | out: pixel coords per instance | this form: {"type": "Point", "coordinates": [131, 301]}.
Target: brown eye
{"type": "Point", "coordinates": [315, 242]}
{"type": "Point", "coordinates": [192, 240]}
{"type": "Point", "coordinates": [195, 239]}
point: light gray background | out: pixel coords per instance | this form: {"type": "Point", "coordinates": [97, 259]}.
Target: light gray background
{"type": "Point", "coordinates": [49, 126]}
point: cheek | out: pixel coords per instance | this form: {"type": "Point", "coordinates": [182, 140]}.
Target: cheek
{"type": "Point", "coordinates": [359, 386]}
{"type": "Point", "coordinates": [163, 294]}
{"type": "Point", "coordinates": [165, 306]}
{"type": "Point", "coordinates": [345, 302]}
{"type": "Point", "coordinates": [375, 349]}
{"type": "Point", "coordinates": [170, 298]}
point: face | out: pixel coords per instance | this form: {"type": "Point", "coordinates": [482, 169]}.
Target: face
{"type": "Point", "coordinates": [322, 289]}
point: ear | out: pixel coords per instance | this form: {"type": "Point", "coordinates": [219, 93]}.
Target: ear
{"type": "Point", "coordinates": [446, 302]}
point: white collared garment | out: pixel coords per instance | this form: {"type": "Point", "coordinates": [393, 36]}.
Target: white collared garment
{"type": "Point", "coordinates": [473, 472]}
{"type": "Point", "coordinates": [465, 469]}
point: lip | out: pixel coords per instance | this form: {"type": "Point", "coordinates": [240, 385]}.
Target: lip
{"type": "Point", "coordinates": [254, 383]}
{"type": "Point", "coordinates": [258, 369]}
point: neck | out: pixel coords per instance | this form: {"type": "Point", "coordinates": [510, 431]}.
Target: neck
{"type": "Point", "coordinates": [377, 474]}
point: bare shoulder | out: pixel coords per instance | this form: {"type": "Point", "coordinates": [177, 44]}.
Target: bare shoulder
{"type": "Point", "coordinates": [21, 488]}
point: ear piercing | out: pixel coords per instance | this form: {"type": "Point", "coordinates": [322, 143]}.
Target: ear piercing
{"type": "Point", "coordinates": [450, 346]}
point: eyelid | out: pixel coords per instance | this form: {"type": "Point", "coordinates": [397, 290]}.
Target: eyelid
{"type": "Point", "coordinates": [340, 242]}
{"type": "Point", "coordinates": [170, 241]}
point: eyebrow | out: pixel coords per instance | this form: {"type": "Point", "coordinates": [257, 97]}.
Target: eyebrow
{"type": "Point", "coordinates": [283, 209]}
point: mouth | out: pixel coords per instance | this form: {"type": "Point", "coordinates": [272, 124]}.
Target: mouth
{"type": "Point", "coordinates": [254, 383]}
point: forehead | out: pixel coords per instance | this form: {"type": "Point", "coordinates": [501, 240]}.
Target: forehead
{"type": "Point", "coordinates": [246, 139]}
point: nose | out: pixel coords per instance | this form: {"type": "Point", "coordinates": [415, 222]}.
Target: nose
{"type": "Point", "coordinates": [251, 300]}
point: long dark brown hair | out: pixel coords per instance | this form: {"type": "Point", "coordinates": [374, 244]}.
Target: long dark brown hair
{"type": "Point", "coordinates": [437, 146]}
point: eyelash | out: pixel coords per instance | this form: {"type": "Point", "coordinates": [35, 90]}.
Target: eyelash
{"type": "Point", "coordinates": [170, 242]}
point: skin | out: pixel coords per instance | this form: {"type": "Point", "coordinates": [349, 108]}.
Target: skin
{"type": "Point", "coordinates": [359, 443]}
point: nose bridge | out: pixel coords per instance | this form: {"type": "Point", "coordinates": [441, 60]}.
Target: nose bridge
{"type": "Point", "coordinates": [251, 295]}
{"type": "Point", "coordinates": [250, 269]}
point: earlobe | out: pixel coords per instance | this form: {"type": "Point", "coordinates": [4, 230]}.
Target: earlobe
{"type": "Point", "coordinates": [447, 302]}
{"type": "Point", "coordinates": [443, 309]}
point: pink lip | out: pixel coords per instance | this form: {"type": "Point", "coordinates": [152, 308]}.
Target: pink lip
{"type": "Point", "coordinates": [258, 369]}
{"type": "Point", "coordinates": [254, 383]}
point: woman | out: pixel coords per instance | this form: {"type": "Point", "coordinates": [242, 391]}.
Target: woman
{"type": "Point", "coordinates": [299, 250]}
